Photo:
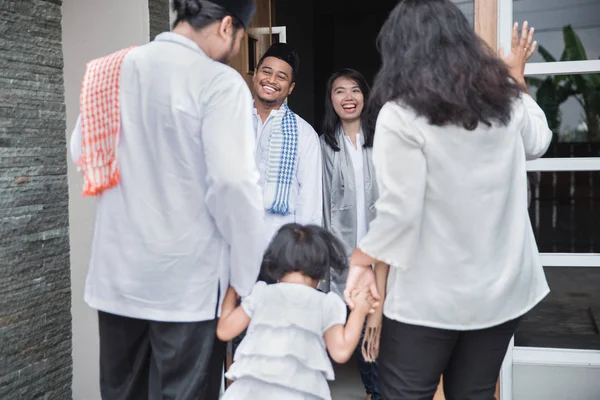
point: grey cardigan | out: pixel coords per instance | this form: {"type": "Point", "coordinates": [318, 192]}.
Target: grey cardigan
{"type": "Point", "coordinates": [339, 201]}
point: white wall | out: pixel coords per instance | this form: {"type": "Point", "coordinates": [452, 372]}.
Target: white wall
{"type": "Point", "coordinates": [91, 29]}
{"type": "Point", "coordinates": [171, 14]}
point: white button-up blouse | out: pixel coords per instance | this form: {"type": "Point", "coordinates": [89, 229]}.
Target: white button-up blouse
{"type": "Point", "coordinates": [452, 218]}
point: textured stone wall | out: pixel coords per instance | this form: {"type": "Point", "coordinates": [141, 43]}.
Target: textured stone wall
{"type": "Point", "coordinates": [159, 17]}
{"type": "Point", "coordinates": [35, 298]}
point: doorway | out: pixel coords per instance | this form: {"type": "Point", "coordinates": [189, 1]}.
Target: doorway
{"type": "Point", "coordinates": [329, 35]}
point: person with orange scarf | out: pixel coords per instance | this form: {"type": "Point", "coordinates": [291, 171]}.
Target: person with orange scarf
{"type": "Point", "coordinates": [165, 142]}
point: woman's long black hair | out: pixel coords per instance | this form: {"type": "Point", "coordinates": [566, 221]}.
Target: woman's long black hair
{"type": "Point", "coordinates": [434, 63]}
{"type": "Point", "coordinates": [331, 121]}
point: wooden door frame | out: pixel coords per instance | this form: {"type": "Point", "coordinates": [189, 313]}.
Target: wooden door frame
{"type": "Point", "coordinates": [485, 22]}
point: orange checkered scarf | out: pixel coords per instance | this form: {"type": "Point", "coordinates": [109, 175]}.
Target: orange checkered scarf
{"type": "Point", "coordinates": [101, 123]}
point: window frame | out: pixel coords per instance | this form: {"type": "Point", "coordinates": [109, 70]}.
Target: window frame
{"type": "Point", "coordinates": [532, 355]}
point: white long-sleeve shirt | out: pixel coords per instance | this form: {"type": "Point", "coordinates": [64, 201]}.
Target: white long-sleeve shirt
{"type": "Point", "coordinates": [452, 218]}
{"type": "Point", "coordinates": [357, 159]}
{"type": "Point", "coordinates": [187, 218]}
{"type": "Point", "coordinates": [308, 185]}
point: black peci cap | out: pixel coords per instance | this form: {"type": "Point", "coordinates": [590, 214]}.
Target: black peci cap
{"type": "Point", "coordinates": [242, 9]}
{"type": "Point", "coordinates": [284, 52]}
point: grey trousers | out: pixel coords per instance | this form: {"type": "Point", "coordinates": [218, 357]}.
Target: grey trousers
{"type": "Point", "coordinates": [413, 358]}
{"type": "Point", "coordinates": [149, 360]}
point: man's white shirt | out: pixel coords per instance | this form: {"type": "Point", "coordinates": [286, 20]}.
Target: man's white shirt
{"type": "Point", "coordinates": [187, 218]}
{"type": "Point", "coordinates": [308, 186]}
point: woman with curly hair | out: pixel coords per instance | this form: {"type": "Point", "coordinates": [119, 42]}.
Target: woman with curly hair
{"type": "Point", "coordinates": [451, 144]}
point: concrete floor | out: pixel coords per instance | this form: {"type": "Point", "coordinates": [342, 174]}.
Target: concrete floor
{"type": "Point", "coordinates": [569, 315]}
{"type": "Point", "coordinates": [347, 384]}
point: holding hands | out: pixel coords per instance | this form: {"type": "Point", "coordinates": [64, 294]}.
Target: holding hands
{"type": "Point", "coordinates": [363, 300]}
{"type": "Point", "coordinates": [360, 276]}
{"type": "Point", "coordinates": [364, 280]}
{"type": "Point", "coordinates": [365, 303]}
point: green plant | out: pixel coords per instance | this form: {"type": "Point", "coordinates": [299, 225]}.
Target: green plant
{"type": "Point", "coordinates": [555, 90]}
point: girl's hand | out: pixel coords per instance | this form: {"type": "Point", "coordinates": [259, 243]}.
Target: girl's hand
{"type": "Point", "coordinates": [229, 302]}
{"type": "Point", "coordinates": [521, 51]}
{"type": "Point", "coordinates": [360, 274]}
{"type": "Point", "coordinates": [370, 345]}
{"type": "Point", "coordinates": [363, 301]}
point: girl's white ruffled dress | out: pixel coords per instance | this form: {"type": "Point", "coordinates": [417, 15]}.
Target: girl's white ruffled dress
{"type": "Point", "coordinates": [283, 356]}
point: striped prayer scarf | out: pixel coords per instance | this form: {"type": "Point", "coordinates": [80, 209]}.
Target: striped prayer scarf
{"type": "Point", "coordinates": [281, 164]}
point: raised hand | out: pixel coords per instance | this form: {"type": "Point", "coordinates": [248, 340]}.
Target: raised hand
{"type": "Point", "coordinates": [521, 50]}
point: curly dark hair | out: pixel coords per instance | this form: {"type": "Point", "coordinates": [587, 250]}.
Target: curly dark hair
{"type": "Point", "coordinates": [434, 63]}
{"type": "Point", "coordinates": [201, 13]}
{"type": "Point", "coordinates": [331, 121]}
{"type": "Point", "coordinates": [308, 249]}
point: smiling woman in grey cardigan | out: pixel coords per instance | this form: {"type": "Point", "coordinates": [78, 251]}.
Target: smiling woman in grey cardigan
{"type": "Point", "coordinates": [349, 186]}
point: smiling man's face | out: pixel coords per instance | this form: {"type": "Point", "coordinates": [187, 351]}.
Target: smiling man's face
{"type": "Point", "coordinates": [273, 82]}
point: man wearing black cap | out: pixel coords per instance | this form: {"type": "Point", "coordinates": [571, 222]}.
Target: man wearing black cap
{"type": "Point", "coordinates": [288, 153]}
{"type": "Point", "coordinates": [166, 143]}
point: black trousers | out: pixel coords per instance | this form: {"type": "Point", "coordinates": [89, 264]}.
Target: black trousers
{"type": "Point", "coordinates": [148, 360]}
{"type": "Point", "coordinates": [413, 358]}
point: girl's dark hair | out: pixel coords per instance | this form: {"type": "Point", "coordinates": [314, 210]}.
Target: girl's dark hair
{"type": "Point", "coordinates": [309, 249]}
{"type": "Point", "coordinates": [201, 13]}
{"type": "Point", "coordinates": [331, 121]}
{"type": "Point", "coordinates": [433, 62]}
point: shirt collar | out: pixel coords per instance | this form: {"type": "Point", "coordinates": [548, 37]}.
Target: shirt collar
{"type": "Point", "coordinates": [271, 114]}
{"type": "Point", "coordinates": [179, 39]}
{"type": "Point", "coordinates": [359, 136]}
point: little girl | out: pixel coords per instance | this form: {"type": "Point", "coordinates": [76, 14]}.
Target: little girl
{"type": "Point", "coordinates": [291, 325]}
